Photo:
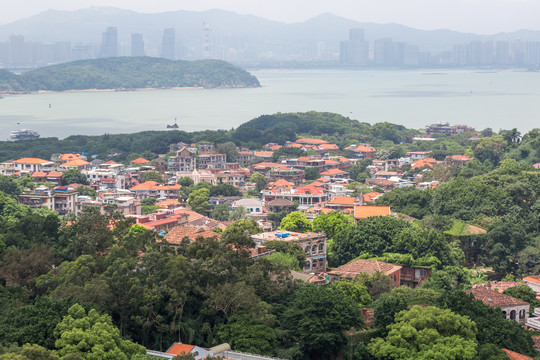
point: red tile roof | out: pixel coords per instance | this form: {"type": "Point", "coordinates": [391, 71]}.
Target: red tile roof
{"type": "Point", "coordinates": [140, 161]}
{"type": "Point", "coordinates": [333, 172]}
{"type": "Point", "coordinates": [39, 174]}
{"type": "Point", "coordinates": [342, 200]}
{"type": "Point", "coordinates": [178, 349]}
{"type": "Point", "coordinates": [359, 266]}
{"type": "Point", "coordinates": [516, 356]}
{"type": "Point", "coordinates": [178, 233]}
{"type": "Point", "coordinates": [311, 141]}
{"type": "Point", "coordinates": [33, 161]}
{"type": "Point", "coordinates": [364, 212]}
{"type": "Point", "coordinates": [328, 147]}
{"type": "Point", "coordinates": [55, 174]}
{"type": "Point", "coordinates": [308, 189]}
{"type": "Point", "coordinates": [76, 162]}
{"type": "Point", "coordinates": [66, 157]}
{"type": "Point", "coordinates": [424, 162]}
{"type": "Point", "coordinates": [494, 298]}
{"type": "Point", "coordinates": [370, 196]}
{"type": "Point", "coordinates": [148, 185]}
{"type": "Point", "coordinates": [533, 278]}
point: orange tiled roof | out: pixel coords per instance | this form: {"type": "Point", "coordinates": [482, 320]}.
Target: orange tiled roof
{"type": "Point", "coordinates": [359, 266]}
{"type": "Point", "coordinates": [328, 147]}
{"type": "Point", "coordinates": [331, 162]}
{"type": "Point", "coordinates": [533, 278]}
{"type": "Point", "coordinates": [66, 157]}
{"type": "Point", "coordinates": [275, 147]}
{"type": "Point", "coordinates": [178, 233]}
{"type": "Point", "coordinates": [364, 212]}
{"type": "Point", "coordinates": [460, 158]}
{"type": "Point", "coordinates": [370, 196]}
{"type": "Point", "coordinates": [423, 162]}
{"type": "Point", "coordinates": [516, 356]}
{"type": "Point", "coordinates": [304, 158]}
{"type": "Point", "coordinates": [295, 145]}
{"type": "Point", "coordinates": [494, 298]}
{"type": "Point", "coordinates": [361, 148]}
{"type": "Point", "coordinates": [76, 162]}
{"type": "Point", "coordinates": [333, 172]}
{"type": "Point", "coordinates": [168, 202]}
{"type": "Point", "coordinates": [39, 174]}
{"type": "Point", "coordinates": [323, 180]}
{"type": "Point", "coordinates": [281, 183]}
{"type": "Point", "coordinates": [33, 161]}
{"type": "Point", "coordinates": [343, 200]}
{"type": "Point", "coordinates": [140, 161]}
{"type": "Point", "coordinates": [266, 164]}
{"type": "Point", "coordinates": [311, 141]}
{"type": "Point", "coordinates": [55, 174]}
{"type": "Point", "coordinates": [178, 349]}
{"type": "Point", "coordinates": [110, 162]}
{"type": "Point", "coordinates": [148, 185]}
{"type": "Point", "coordinates": [308, 189]}
{"type": "Point", "coordinates": [263, 153]}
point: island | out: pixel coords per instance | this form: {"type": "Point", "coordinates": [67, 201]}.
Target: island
{"type": "Point", "coordinates": [126, 73]}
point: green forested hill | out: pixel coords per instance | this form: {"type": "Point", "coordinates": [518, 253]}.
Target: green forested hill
{"type": "Point", "coordinates": [129, 73]}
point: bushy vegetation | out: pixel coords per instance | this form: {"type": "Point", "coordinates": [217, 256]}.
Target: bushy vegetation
{"type": "Point", "coordinates": [128, 73]}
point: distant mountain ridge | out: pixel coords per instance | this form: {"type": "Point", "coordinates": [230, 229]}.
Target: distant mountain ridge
{"type": "Point", "coordinates": [128, 73]}
{"type": "Point", "coordinates": [259, 34]}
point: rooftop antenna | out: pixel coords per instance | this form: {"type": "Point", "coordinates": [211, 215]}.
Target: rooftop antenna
{"type": "Point", "coordinates": [206, 50]}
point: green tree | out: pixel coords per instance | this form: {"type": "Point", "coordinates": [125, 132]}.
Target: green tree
{"type": "Point", "coordinates": [152, 175]}
{"type": "Point", "coordinates": [354, 290]}
{"type": "Point", "coordinates": [94, 336]}
{"type": "Point", "coordinates": [449, 278]}
{"type": "Point", "coordinates": [239, 213]}
{"type": "Point", "coordinates": [73, 176]}
{"type": "Point", "coordinates": [427, 333]}
{"type": "Point", "coordinates": [249, 334]}
{"type": "Point", "coordinates": [385, 309]}
{"type": "Point", "coordinates": [490, 148]}
{"type": "Point", "coordinates": [86, 191]}
{"type": "Point", "coordinates": [239, 233]}
{"type": "Point", "coordinates": [229, 149]}
{"type": "Point", "coordinates": [311, 173]}
{"type": "Point", "coordinates": [259, 180]}
{"type": "Point", "coordinates": [317, 318]}
{"type": "Point", "coordinates": [493, 327]}
{"type": "Point", "coordinates": [376, 284]}
{"type": "Point", "coordinates": [332, 223]}
{"type": "Point", "coordinates": [198, 201]}
{"type": "Point", "coordinates": [287, 260]}
{"type": "Point", "coordinates": [295, 221]}
{"type": "Point", "coordinates": [225, 190]}
{"type": "Point", "coordinates": [221, 212]}
{"type": "Point", "coordinates": [185, 181]}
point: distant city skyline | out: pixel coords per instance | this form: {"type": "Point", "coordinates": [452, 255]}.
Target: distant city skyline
{"type": "Point", "coordinates": [476, 16]}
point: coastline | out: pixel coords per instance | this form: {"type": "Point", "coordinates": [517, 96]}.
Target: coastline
{"type": "Point", "coordinates": [124, 89]}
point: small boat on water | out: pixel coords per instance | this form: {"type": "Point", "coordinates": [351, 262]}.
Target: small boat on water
{"type": "Point", "coordinates": [23, 134]}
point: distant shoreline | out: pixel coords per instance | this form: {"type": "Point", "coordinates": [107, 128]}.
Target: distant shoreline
{"type": "Point", "coordinates": [121, 90]}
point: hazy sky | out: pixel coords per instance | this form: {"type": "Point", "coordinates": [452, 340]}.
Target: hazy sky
{"type": "Point", "coordinates": [479, 16]}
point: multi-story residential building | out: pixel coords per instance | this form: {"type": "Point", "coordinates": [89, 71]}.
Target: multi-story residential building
{"type": "Point", "coordinates": [253, 206]}
{"type": "Point", "coordinates": [212, 161]}
{"type": "Point", "coordinates": [117, 201]}
{"type": "Point", "coordinates": [234, 178]}
{"type": "Point", "coordinates": [26, 165]}
{"type": "Point", "coordinates": [417, 155]}
{"type": "Point", "coordinates": [314, 245]}
{"type": "Point", "coordinates": [362, 151]}
{"type": "Point", "coordinates": [185, 160]}
{"type": "Point", "coordinates": [61, 199]}
{"type": "Point", "coordinates": [245, 157]}
{"type": "Point", "coordinates": [155, 189]}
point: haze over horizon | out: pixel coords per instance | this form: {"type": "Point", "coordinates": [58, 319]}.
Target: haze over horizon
{"type": "Point", "coordinates": [475, 16]}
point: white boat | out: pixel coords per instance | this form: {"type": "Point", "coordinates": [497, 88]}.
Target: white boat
{"type": "Point", "coordinates": [23, 134]}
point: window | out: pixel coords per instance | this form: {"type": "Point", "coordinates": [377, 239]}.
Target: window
{"type": "Point", "coordinates": [513, 315]}
{"type": "Point", "coordinates": [314, 249]}
{"type": "Point", "coordinates": [522, 314]}
{"type": "Point", "coordinates": [308, 250]}
{"type": "Point", "coordinates": [308, 265]}
{"type": "Point", "coordinates": [321, 247]}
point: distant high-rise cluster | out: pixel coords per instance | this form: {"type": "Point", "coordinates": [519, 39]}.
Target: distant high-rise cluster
{"type": "Point", "coordinates": [359, 50]}
{"type": "Point", "coordinates": [355, 51]}
{"type": "Point", "coordinates": [168, 44]}
{"type": "Point", "coordinates": [137, 45]}
{"type": "Point", "coordinates": [109, 43]}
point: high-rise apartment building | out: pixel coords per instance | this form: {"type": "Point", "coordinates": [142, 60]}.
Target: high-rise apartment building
{"type": "Point", "coordinates": [355, 51]}
{"type": "Point", "coordinates": [168, 45]}
{"type": "Point", "coordinates": [109, 43]}
{"type": "Point", "coordinates": [137, 45]}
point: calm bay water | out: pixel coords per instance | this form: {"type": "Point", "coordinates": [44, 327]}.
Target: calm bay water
{"type": "Point", "coordinates": [503, 99]}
